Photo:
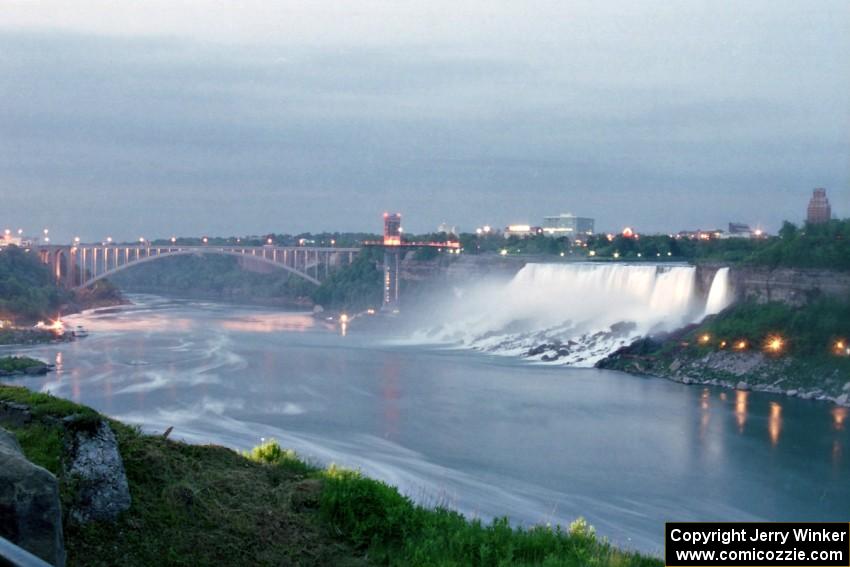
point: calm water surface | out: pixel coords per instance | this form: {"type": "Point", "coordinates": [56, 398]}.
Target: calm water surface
{"type": "Point", "coordinates": [486, 435]}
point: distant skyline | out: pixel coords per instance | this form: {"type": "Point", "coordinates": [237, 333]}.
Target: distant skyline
{"type": "Point", "coordinates": [210, 117]}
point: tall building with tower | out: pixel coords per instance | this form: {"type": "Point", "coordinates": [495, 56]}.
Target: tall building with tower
{"type": "Point", "coordinates": [819, 210]}
{"type": "Point", "coordinates": [392, 258]}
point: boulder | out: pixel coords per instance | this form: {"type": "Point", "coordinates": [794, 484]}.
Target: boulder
{"type": "Point", "coordinates": [14, 414]}
{"type": "Point", "coordinates": [36, 370]}
{"type": "Point", "coordinates": [98, 471]}
{"type": "Point", "coordinates": [742, 386]}
{"type": "Point", "coordinates": [30, 512]}
{"type": "Point", "coordinates": [843, 400]}
{"type": "Point", "coordinates": [846, 387]}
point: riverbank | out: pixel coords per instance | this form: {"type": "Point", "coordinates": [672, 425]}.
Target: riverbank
{"type": "Point", "coordinates": [678, 357]}
{"type": "Point", "coordinates": [209, 505]}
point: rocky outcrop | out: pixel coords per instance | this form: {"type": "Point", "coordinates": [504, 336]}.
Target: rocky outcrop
{"type": "Point", "coordinates": [95, 465]}
{"type": "Point", "coordinates": [30, 512]}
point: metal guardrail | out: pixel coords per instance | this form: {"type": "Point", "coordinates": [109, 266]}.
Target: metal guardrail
{"type": "Point", "coordinates": [14, 556]}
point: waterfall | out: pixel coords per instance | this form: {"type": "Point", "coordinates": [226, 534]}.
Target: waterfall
{"type": "Point", "coordinates": [572, 313]}
{"type": "Point", "coordinates": [720, 293]}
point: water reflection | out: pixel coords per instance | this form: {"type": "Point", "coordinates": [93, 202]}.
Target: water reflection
{"type": "Point", "coordinates": [774, 423]}
{"type": "Point", "coordinates": [271, 323]}
{"type": "Point", "coordinates": [839, 414]}
{"type": "Point", "coordinates": [705, 414]}
{"type": "Point", "coordinates": [741, 408]}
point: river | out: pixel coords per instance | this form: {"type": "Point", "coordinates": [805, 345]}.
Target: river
{"type": "Point", "coordinates": [484, 434]}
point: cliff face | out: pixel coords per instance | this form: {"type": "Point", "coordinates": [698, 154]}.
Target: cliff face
{"type": "Point", "coordinates": [793, 286]}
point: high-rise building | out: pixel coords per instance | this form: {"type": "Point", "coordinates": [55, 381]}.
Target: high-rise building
{"type": "Point", "coordinates": [818, 210]}
{"type": "Point", "coordinates": [567, 224]}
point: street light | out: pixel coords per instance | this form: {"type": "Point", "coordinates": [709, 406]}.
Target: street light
{"type": "Point", "coordinates": [173, 239]}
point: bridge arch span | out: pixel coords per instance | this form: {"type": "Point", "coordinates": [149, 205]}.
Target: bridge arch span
{"type": "Point", "coordinates": [196, 252]}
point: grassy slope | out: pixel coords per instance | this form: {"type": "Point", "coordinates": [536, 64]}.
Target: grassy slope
{"type": "Point", "coordinates": [207, 505]}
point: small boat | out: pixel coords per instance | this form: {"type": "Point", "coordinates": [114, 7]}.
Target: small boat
{"type": "Point", "coordinates": [80, 332]}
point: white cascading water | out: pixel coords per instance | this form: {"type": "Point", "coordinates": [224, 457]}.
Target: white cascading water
{"type": "Point", "coordinates": [720, 294]}
{"type": "Point", "coordinates": [572, 313]}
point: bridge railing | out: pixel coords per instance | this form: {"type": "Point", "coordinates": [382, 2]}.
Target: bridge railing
{"type": "Point", "coordinates": [14, 556]}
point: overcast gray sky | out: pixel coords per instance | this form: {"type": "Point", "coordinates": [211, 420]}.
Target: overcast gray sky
{"type": "Point", "coordinates": [216, 117]}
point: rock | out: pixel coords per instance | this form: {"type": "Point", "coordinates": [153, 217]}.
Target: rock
{"type": "Point", "coordinates": [14, 414]}
{"type": "Point", "coordinates": [742, 386]}
{"type": "Point", "coordinates": [843, 400]}
{"type": "Point", "coordinates": [97, 468]}
{"type": "Point", "coordinates": [675, 365]}
{"type": "Point", "coordinates": [846, 387]}
{"type": "Point", "coordinates": [792, 392]}
{"type": "Point", "coordinates": [30, 513]}
{"type": "Point", "coordinates": [36, 370]}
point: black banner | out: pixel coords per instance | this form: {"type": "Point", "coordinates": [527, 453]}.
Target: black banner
{"type": "Point", "coordinates": [757, 544]}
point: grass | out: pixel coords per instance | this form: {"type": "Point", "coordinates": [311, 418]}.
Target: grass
{"type": "Point", "coordinates": [199, 505]}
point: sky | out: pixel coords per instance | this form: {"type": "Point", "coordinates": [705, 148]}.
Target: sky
{"type": "Point", "coordinates": [156, 118]}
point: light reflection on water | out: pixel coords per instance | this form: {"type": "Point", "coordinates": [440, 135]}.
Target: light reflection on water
{"type": "Point", "coordinates": [489, 435]}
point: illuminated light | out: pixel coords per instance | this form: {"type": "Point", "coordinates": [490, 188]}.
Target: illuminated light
{"type": "Point", "coordinates": [704, 338]}
{"type": "Point", "coordinates": [616, 255]}
{"type": "Point", "coordinates": [669, 253]}
{"type": "Point", "coordinates": [610, 237]}
{"type": "Point", "coordinates": [722, 344]}
{"type": "Point", "coordinates": [343, 318]}
{"type": "Point", "coordinates": [839, 414]}
{"type": "Point", "coordinates": [370, 311]}
{"type": "Point", "coordinates": [628, 232]}
{"type": "Point", "coordinates": [269, 241]}
{"type": "Point", "coordinates": [487, 228]}
{"type": "Point", "coordinates": [841, 348]}
{"type": "Point", "coordinates": [519, 228]}
{"type": "Point", "coordinates": [639, 255]}
{"type": "Point", "coordinates": [77, 239]}
{"type": "Point", "coordinates": [592, 253]}
{"type": "Point", "coordinates": [8, 232]}
{"type": "Point", "coordinates": [562, 254]}
{"type": "Point", "coordinates": [141, 239]}
{"type": "Point", "coordinates": [479, 230]}
{"type": "Point", "coordinates": [759, 232]}
{"type": "Point", "coordinates": [46, 239]}
{"type": "Point", "coordinates": [503, 252]}
{"type": "Point", "coordinates": [774, 344]}
{"type": "Point", "coordinates": [174, 239]}
{"type": "Point", "coordinates": [109, 239]}
{"type": "Point", "coordinates": [658, 254]}
{"type": "Point", "coordinates": [333, 242]}
{"type": "Point", "coordinates": [741, 345]}
{"type": "Point", "coordinates": [205, 240]}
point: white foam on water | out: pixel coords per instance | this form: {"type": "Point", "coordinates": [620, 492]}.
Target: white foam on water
{"type": "Point", "coordinates": [578, 313]}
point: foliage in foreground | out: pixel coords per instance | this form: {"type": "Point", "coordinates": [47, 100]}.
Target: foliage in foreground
{"type": "Point", "coordinates": [376, 517]}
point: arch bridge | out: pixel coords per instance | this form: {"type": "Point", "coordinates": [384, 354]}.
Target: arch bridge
{"type": "Point", "coordinates": [81, 265]}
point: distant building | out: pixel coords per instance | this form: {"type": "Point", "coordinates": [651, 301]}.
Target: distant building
{"type": "Point", "coordinates": [567, 224]}
{"type": "Point", "coordinates": [738, 230]}
{"type": "Point", "coordinates": [446, 228]}
{"type": "Point", "coordinates": [521, 230]}
{"type": "Point", "coordinates": [818, 210]}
